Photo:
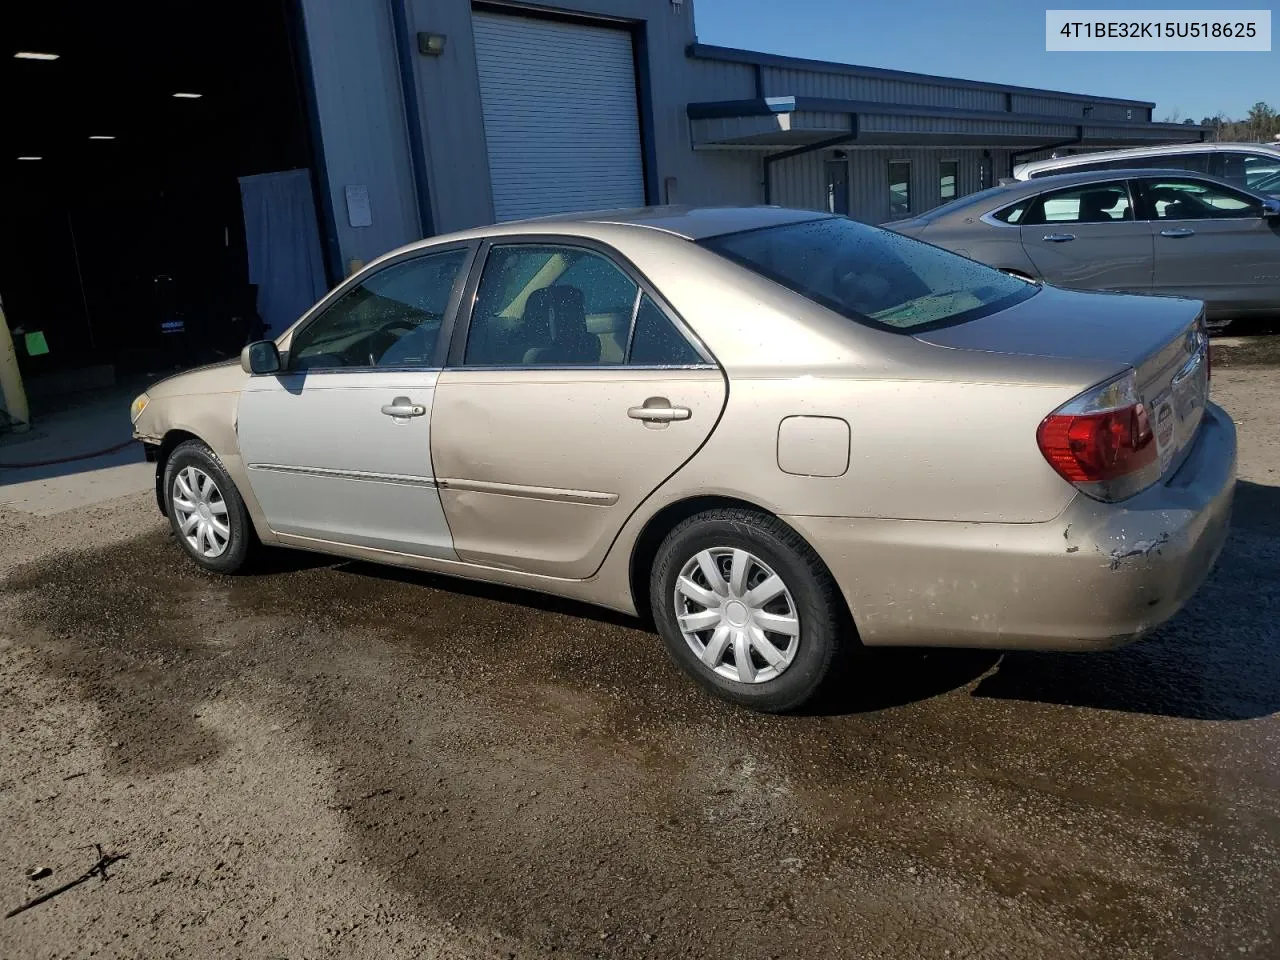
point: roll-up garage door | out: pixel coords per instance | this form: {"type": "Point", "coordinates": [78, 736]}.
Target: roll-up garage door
{"type": "Point", "coordinates": [560, 117]}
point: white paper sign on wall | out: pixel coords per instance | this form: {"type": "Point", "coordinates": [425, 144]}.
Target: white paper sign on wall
{"type": "Point", "coordinates": [359, 213]}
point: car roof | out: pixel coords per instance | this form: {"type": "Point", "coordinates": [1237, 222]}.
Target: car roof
{"type": "Point", "coordinates": [691, 223]}
{"type": "Point", "coordinates": [1171, 149]}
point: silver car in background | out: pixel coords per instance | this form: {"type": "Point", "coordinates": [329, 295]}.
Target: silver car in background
{"type": "Point", "coordinates": [1253, 166]}
{"type": "Point", "coordinates": [1137, 231]}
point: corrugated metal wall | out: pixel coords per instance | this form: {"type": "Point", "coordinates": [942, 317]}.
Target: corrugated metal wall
{"type": "Point", "coordinates": [364, 126]}
{"type": "Point", "coordinates": [948, 126]}
{"type": "Point", "coordinates": [719, 79]}
{"type": "Point", "coordinates": [808, 83]}
{"type": "Point", "coordinates": [361, 112]}
{"type": "Point", "coordinates": [1059, 106]}
{"type": "Point", "coordinates": [449, 101]}
{"type": "Point", "coordinates": [802, 181]}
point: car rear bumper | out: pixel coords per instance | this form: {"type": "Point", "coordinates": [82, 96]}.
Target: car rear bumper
{"type": "Point", "coordinates": [1099, 575]}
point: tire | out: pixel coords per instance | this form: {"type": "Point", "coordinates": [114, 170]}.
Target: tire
{"type": "Point", "coordinates": [190, 461]}
{"type": "Point", "coordinates": [794, 673]}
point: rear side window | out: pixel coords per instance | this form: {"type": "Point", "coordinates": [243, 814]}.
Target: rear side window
{"type": "Point", "coordinates": [656, 343]}
{"type": "Point", "coordinates": [873, 276]}
{"type": "Point", "coordinates": [1195, 200]}
{"type": "Point", "coordinates": [1249, 170]}
{"type": "Point", "coordinates": [549, 305]}
{"type": "Point", "coordinates": [1092, 203]}
{"type": "Point", "coordinates": [1015, 213]}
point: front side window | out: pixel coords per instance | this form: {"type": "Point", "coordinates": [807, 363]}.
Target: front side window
{"type": "Point", "coordinates": [1195, 200]}
{"type": "Point", "coordinates": [873, 276]}
{"type": "Point", "coordinates": [899, 188]}
{"type": "Point", "coordinates": [1094, 203]}
{"type": "Point", "coordinates": [392, 319]}
{"type": "Point", "coordinates": [949, 179]}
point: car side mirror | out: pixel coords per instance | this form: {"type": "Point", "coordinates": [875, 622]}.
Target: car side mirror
{"type": "Point", "coordinates": [1270, 208]}
{"type": "Point", "coordinates": [260, 357]}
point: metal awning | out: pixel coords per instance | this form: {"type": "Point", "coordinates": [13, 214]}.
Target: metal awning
{"type": "Point", "coordinates": [771, 124]}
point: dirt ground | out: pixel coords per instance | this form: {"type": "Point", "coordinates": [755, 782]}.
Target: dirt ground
{"type": "Point", "coordinates": [334, 760]}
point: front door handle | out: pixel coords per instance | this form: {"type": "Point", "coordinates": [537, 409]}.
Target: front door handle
{"type": "Point", "coordinates": [1178, 233]}
{"type": "Point", "coordinates": [1059, 237]}
{"type": "Point", "coordinates": [403, 407]}
{"type": "Point", "coordinates": [659, 410]}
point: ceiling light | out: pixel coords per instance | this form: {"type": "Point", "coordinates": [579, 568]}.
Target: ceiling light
{"type": "Point", "coordinates": [100, 136]}
{"type": "Point", "coordinates": [31, 158]}
{"type": "Point", "coordinates": [188, 96]}
{"type": "Point", "coordinates": [31, 55]}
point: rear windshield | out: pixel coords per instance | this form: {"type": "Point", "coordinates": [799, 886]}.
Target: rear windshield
{"type": "Point", "coordinates": [873, 276]}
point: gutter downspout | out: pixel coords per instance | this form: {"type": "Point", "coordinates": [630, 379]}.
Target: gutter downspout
{"type": "Point", "coordinates": [772, 158]}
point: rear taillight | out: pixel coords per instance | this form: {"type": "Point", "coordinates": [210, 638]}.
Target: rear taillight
{"type": "Point", "coordinates": [1102, 441]}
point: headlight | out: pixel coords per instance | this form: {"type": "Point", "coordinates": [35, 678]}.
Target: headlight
{"type": "Point", "coordinates": [136, 408]}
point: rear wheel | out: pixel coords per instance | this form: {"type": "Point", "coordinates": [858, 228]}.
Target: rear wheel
{"type": "Point", "coordinates": [205, 510]}
{"type": "Point", "coordinates": [747, 609]}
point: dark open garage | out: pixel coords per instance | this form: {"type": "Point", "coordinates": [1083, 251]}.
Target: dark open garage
{"type": "Point", "coordinates": [129, 129]}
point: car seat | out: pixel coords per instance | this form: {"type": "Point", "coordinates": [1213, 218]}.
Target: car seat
{"type": "Point", "coordinates": [1096, 206]}
{"type": "Point", "coordinates": [555, 322]}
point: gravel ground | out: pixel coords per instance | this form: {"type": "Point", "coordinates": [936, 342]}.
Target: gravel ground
{"type": "Point", "coordinates": [330, 759]}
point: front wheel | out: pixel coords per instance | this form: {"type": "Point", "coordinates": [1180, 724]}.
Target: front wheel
{"type": "Point", "coordinates": [747, 609]}
{"type": "Point", "coordinates": [205, 510]}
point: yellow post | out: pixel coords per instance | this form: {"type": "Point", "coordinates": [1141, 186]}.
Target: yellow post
{"type": "Point", "coordinates": [15, 397]}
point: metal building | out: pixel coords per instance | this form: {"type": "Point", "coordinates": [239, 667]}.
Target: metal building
{"type": "Point", "coordinates": [451, 113]}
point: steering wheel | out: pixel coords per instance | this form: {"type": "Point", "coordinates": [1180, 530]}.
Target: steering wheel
{"type": "Point", "coordinates": [380, 341]}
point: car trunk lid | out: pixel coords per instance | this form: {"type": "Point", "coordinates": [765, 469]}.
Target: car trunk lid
{"type": "Point", "coordinates": [1163, 339]}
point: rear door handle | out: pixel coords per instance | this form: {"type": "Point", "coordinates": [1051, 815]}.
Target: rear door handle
{"type": "Point", "coordinates": [659, 410]}
{"type": "Point", "coordinates": [1059, 237]}
{"type": "Point", "coordinates": [1179, 233]}
{"type": "Point", "coordinates": [403, 407]}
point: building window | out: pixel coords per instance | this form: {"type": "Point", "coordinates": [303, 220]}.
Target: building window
{"type": "Point", "coordinates": [899, 188]}
{"type": "Point", "coordinates": [949, 180]}
{"type": "Point", "coordinates": [838, 186]}
{"type": "Point", "coordinates": [984, 171]}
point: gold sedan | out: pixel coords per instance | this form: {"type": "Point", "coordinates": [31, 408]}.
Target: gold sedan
{"type": "Point", "coordinates": [783, 435]}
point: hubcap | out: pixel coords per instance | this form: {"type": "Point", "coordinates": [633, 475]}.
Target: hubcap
{"type": "Point", "coordinates": [201, 512]}
{"type": "Point", "coordinates": [737, 615]}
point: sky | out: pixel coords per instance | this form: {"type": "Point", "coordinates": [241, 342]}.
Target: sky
{"type": "Point", "coordinates": [1001, 41]}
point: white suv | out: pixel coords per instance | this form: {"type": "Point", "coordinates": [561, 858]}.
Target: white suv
{"type": "Point", "coordinates": [1254, 166]}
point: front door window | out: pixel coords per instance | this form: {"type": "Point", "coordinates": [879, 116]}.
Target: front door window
{"type": "Point", "coordinates": [392, 319]}
{"type": "Point", "coordinates": [1094, 203]}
